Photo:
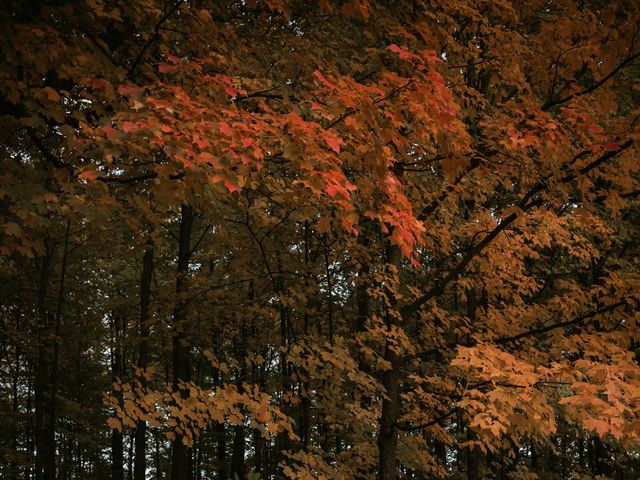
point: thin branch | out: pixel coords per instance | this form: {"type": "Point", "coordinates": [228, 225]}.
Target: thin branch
{"type": "Point", "coordinates": [472, 64]}
{"type": "Point", "coordinates": [197, 244]}
{"type": "Point", "coordinates": [46, 153]}
{"type": "Point", "coordinates": [153, 37]}
{"type": "Point", "coordinates": [429, 209]}
{"type": "Point", "coordinates": [351, 111]}
{"type": "Point", "coordinates": [586, 91]}
{"type": "Point", "coordinates": [138, 178]}
{"type": "Point", "coordinates": [525, 204]}
{"type": "Point", "coordinates": [433, 422]}
{"type": "Point", "coordinates": [632, 194]}
{"type": "Point", "coordinates": [261, 94]}
{"type": "Point", "coordinates": [554, 326]}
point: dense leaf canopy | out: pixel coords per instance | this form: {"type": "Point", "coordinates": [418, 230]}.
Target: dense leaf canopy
{"type": "Point", "coordinates": [344, 239]}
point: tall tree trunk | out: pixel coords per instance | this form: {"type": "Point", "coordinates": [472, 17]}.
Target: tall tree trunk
{"type": "Point", "coordinates": [117, 456]}
{"type": "Point", "coordinates": [473, 458]}
{"type": "Point", "coordinates": [30, 427]}
{"type": "Point", "coordinates": [140, 466]}
{"type": "Point", "coordinates": [440, 452]}
{"type": "Point", "coordinates": [602, 458]}
{"type": "Point", "coordinates": [42, 373]}
{"type": "Point", "coordinates": [219, 429]}
{"type": "Point", "coordinates": [117, 449]}
{"type": "Point", "coordinates": [237, 454]}
{"type": "Point", "coordinates": [157, 457]}
{"type": "Point", "coordinates": [130, 457]}
{"type": "Point", "coordinates": [15, 407]}
{"type": "Point", "coordinates": [387, 434]}
{"type": "Point", "coordinates": [13, 468]}
{"type": "Point", "coordinates": [283, 442]}
{"type": "Point", "coordinates": [50, 462]}
{"type": "Point", "coordinates": [304, 421]}
{"type": "Point", "coordinates": [197, 464]}
{"type": "Point", "coordinates": [473, 454]}
{"type": "Point", "coordinates": [181, 361]}
{"type": "Point", "coordinates": [535, 459]}
{"type": "Point", "coordinates": [221, 450]}
{"type": "Point", "coordinates": [258, 447]}
{"type": "Point", "coordinates": [257, 439]}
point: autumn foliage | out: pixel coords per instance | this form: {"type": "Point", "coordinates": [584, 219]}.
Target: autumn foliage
{"type": "Point", "coordinates": [320, 240]}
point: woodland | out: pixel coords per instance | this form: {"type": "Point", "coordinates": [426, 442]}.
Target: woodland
{"type": "Point", "coordinates": [332, 239]}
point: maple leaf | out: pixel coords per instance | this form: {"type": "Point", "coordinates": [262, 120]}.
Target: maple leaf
{"type": "Point", "coordinates": [324, 81]}
{"type": "Point", "coordinates": [12, 229]}
{"type": "Point", "coordinates": [333, 140]}
{"type": "Point", "coordinates": [131, 91]}
{"type": "Point", "coordinates": [225, 128]}
{"type": "Point", "coordinates": [90, 175]}
{"type": "Point", "coordinates": [51, 94]}
{"type": "Point", "coordinates": [166, 68]}
{"type": "Point", "coordinates": [129, 127]}
{"type": "Point", "coordinates": [401, 52]}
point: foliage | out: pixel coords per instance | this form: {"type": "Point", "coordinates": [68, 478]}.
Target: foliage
{"type": "Point", "coordinates": [334, 239]}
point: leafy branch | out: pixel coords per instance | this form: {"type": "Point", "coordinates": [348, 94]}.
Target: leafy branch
{"type": "Point", "coordinates": [526, 203]}
{"type": "Point", "coordinates": [626, 62]}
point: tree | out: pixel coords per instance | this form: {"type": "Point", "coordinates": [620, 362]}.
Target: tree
{"type": "Point", "coordinates": [337, 240]}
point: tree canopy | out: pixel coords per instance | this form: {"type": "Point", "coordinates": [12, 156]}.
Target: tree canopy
{"type": "Point", "coordinates": [346, 239]}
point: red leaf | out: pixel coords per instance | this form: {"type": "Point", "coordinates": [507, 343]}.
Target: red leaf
{"type": "Point", "coordinates": [611, 147]}
{"type": "Point", "coordinates": [130, 90]}
{"type": "Point", "coordinates": [323, 80]}
{"type": "Point", "coordinates": [88, 175]}
{"type": "Point", "coordinates": [230, 186]}
{"type": "Point", "coordinates": [431, 56]}
{"type": "Point", "coordinates": [225, 128]}
{"type": "Point", "coordinates": [128, 127]}
{"type": "Point", "coordinates": [402, 53]}
{"type": "Point", "coordinates": [166, 68]}
{"type": "Point", "coordinates": [333, 189]}
{"type": "Point", "coordinates": [333, 141]}
{"type": "Point", "coordinates": [110, 132]}
{"type": "Point", "coordinates": [100, 84]}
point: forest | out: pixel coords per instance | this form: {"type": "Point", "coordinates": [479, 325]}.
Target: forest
{"type": "Point", "coordinates": [332, 239]}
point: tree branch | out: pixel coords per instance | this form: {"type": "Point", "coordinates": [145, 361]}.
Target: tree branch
{"type": "Point", "coordinates": [138, 178]}
{"type": "Point", "coordinates": [433, 422]}
{"type": "Point", "coordinates": [153, 37]}
{"type": "Point", "coordinates": [554, 326]}
{"type": "Point", "coordinates": [525, 204]}
{"type": "Point", "coordinates": [586, 91]}
{"type": "Point", "coordinates": [429, 209]}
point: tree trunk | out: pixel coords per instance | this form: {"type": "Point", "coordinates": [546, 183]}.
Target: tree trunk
{"type": "Point", "coordinates": [42, 466]}
{"type": "Point", "coordinates": [220, 431]}
{"type": "Point", "coordinates": [13, 468]}
{"type": "Point", "coordinates": [473, 459]}
{"type": "Point", "coordinates": [387, 435]}
{"type": "Point", "coordinates": [140, 466]}
{"type": "Point", "coordinates": [282, 439]}
{"type": "Point", "coordinates": [117, 456]}
{"type": "Point", "coordinates": [237, 455]}
{"type": "Point", "coordinates": [473, 455]}
{"type": "Point", "coordinates": [181, 355]}
{"type": "Point", "coordinates": [602, 458]}
{"type": "Point", "coordinates": [258, 447]}
{"type": "Point", "coordinates": [117, 449]}
{"type": "Point", "coordinates": [50, 462]}
{"type": "Point", "coordinates": [221, 451]}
